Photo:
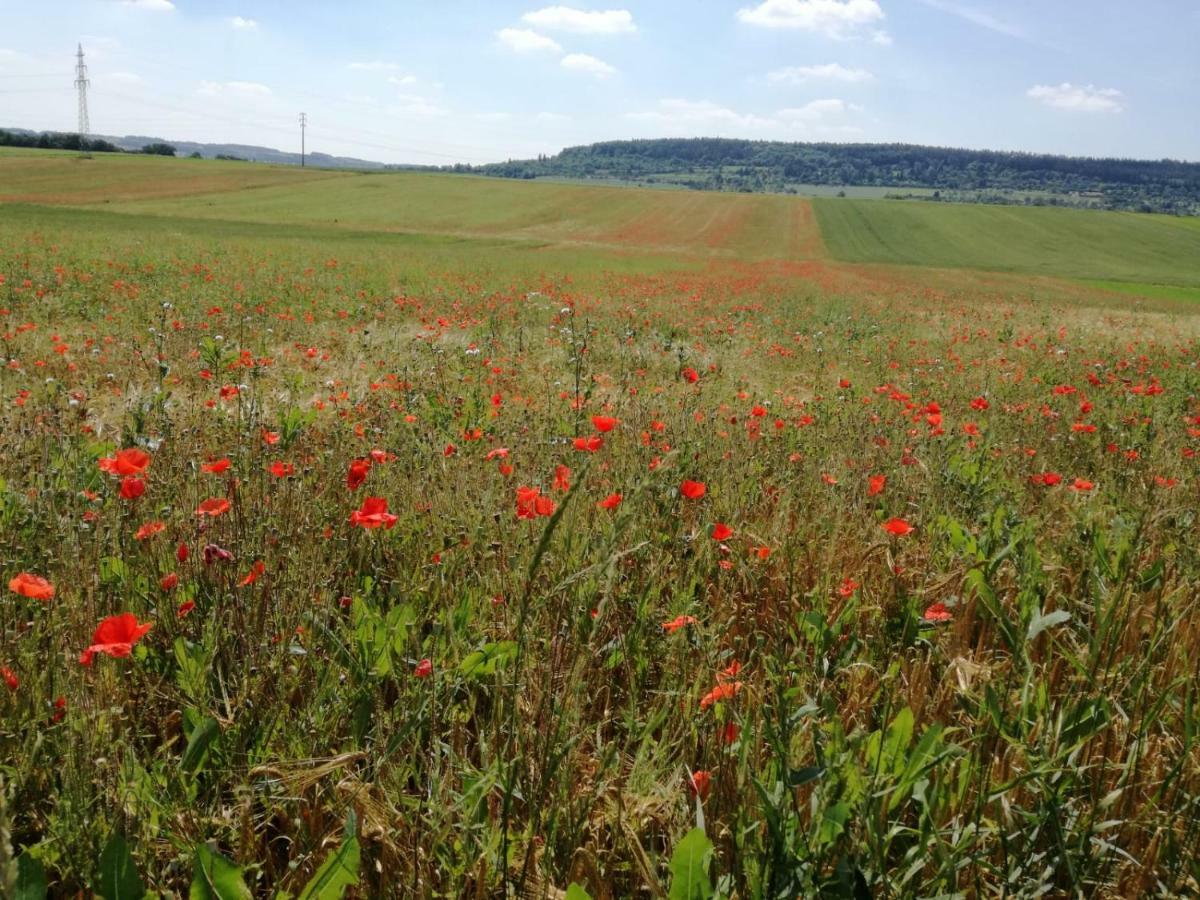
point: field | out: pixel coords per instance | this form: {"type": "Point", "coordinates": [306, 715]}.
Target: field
{"type": "Point", "coordinates": [406, 535]}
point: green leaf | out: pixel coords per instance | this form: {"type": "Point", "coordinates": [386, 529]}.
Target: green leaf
{"type": "Point", "coordinates": [485, 662]}
{"type": "Point", "coordinates": [113, 569]}
{"type": "Point", "coordinates": [201, 738]}
{"type": "Point", "coordinates": [798, 777]}
{"type": "Point", "coordinates": [216, 878]}
{"type": "Point", "coordinates": [575, 892]}
{"type": "Point", "coordinates": [118, 874]}
{"type": "Point", "coordinates": [689, 867]}
{"type": "Point", "coordinates": [1040, 623]}
{"type": "Point", "coordinates": [339, 871]}
{"type": "Point", "coordinates": [31, 878]}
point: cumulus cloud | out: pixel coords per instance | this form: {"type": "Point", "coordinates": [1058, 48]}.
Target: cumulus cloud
{"type": "Point", "coordinates": [696, 115]}
{"type": "Point", "coordinates": [523, 40]}
{"type": "Point", "coordinates": [816, 111]}
{"type": "Point", "coordinates": [1077, 98]}
{"type": "Point", "coordinates": [241, 24]}
{"type": "Point", "coordinates": [695, 118]}
{"type": "Point", "coordinates": [402, 80]}
{"type": "Point", "coordinates": [825, 72]}
{"type": "Point", "coordinates": [833, 18]}
{"type": "Point", "coordinates": [152, 5]}
{"type": "Point", "coordinates": [233, 89]}
{"type": "Point", "coordinates": [582, 62]}
{"type": "Point", "coordinates": [581, 21]}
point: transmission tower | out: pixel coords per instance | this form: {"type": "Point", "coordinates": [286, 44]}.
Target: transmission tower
{"type": "Point", "coordinates": [81, 83]}
{"type": "Point", "coordinates": [303, 125]}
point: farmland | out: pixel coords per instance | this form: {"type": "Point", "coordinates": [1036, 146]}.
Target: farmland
{"type": "Point", "coordinates": [502, 537]}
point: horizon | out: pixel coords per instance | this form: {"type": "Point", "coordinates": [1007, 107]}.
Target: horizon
{"type": "Point", "coordinates": [529, 79]}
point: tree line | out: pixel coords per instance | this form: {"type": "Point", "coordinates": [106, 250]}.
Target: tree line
{"type": "Point", "coordinates": [66, 140]}
{"type": "Point", "coordinates": [1166, 185]}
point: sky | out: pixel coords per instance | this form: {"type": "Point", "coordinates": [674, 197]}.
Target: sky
{"type": "Point", "coordinates": [473, 82]}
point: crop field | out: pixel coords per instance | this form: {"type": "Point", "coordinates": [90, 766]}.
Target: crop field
{"type": "Point", "coordinates": [405, 535]}
{"type": "Point", "coordinates": [1034, 240]}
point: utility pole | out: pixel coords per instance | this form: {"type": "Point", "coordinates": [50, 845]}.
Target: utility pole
{"type": "Point", "coordinates": [81, 83]}
{"type": "Point", "coordinates": [303, 125]}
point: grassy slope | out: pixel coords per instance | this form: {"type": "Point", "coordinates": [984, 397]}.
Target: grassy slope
{"type": "Point", "coordinates": [47, 176]}
{"type": "Point", "coordinates": [1037, 240]}
{"type": "Point", "coordinates": [742, 225]}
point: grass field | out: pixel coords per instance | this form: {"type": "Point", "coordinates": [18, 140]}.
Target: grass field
{"type": "Point", "coordinates": [1035, 240]}
{"type": "Point", "coordinates": [510, 540]}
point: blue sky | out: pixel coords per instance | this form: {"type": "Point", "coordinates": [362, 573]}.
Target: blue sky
{"type": "Point", "coordinates": [446, 81]}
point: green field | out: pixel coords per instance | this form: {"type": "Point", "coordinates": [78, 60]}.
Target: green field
{"type": "Point", "coordinates": [1035, 240]}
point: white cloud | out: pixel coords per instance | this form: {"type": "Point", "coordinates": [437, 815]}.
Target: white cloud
{"type": "Point", "coordinates": [833, 18]}
{"type": "Point", "coordinates": [882, 38]}
{"type": "Point", "coordinates": [697, 118]}
{"type": "Point", "coordinates": [402, 80]}
{"type": "Point", "coordinates": [123, 77]}
{"type": "Point", "coordinates": [1081, 98]}
{"type": "Point", "coordinates": [416, 105]}
{"type": "Point", "coordinates": [696, 115]}
{"type": "Point", "coordinates": [374, 66]}
{"type": "Point", "coordinates": [153, 5]}
{"type": "Point", "coordinates": [244, 89]}
{"type": "Point", "coordinates": [817, 110]}
{"type": "Point", "coordinates": [825, 72]}
{"type": "Point", "coordinates": [493, 116]}
{"type": "Point", "coordinates": [241, 24]}
{"type": "Point", "coordinates": [580, 21]}
{"type": "Point", "coordinates": [522, 40]}
{"type": "Point", "coordinates": [582, 62]}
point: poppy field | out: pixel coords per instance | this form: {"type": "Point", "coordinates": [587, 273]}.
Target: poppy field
{"type": "Point", "coordinates": [340, 562]}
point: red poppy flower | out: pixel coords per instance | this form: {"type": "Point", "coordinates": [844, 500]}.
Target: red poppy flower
{"type": "Point", "coordinates": [725, 691]}
{"type": "Point", "coordinates": [149, 530]}
{"type": "Point", "coordinates": [1082, 484]}
{"type": "Point", "coordinates": [531, 503]}
{"type": "Point", "coordinates": [184, 608]}
{"type": "Point", "coordinates": [612, 501]}
{"type": "Point", "coordinates": [181, 552]}
{"type": "Point", "coordinates": [132, 461]}
{"type": "Point", "coordinates": [35, 587]}
{"type": "Point", "coordinates": [373, 514]}
{"type": "Point", "coordinates": [847, 587]}
{"type": "Point", "coordinates": [10, 678]}
{"type": "Point", "coordinates": [282, 469]}
{"type": "Point", "coordinates": [721, 532]}
{"type": "Point", "coordinates": [168, 582]}
{"type": "Point", "coordinates": [699, 784]}
{"type": "Point", "coordinates": [132, 487]}
{"type": "Point", "coordinates": [937, 612]}
{"type": "Point", "coordinates": [605, 423]}
{"type": "Point", "coordinates": [216, 467]}
{"type": "Point", "coordinates": [979, 403]}
{"type": "Point", "coordinates": [562, 478]}
{"type": "Point", "coordinates": [255, 571]}
{"type": "Point", "coordinates": [1048, 479]}
{"type": "Point", "coordinates": [693, 490]}
{"type": "Point", "coordinates": [588, 444]}
{"type": "Point", "coordinates": [213, 507]}
{"type": "Point", "coordinates": [876, 484]}
{"type": "Point", "coordinates": [897, 527]}
{"type": "Point", "coordinates": [690, 375]}
{"type": "Point", "coordinates": [423, 669]}
{"type": "Point", "coordinates": [270, 438]}
{"type": "Point", "coordinates": [357, 473]}
{"type": "Point", "coordinates": [115, 636]}
{"type": "Point", "coordinates": [678, 622]}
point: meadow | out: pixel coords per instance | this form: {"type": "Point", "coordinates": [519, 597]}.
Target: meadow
{"type": "Point", "coordinates": [407, 535]}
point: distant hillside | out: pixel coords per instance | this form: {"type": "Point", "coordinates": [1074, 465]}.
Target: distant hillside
{"type": "Point", "coordinates": [247, 152]}
{"type": "Point", "coordinates": [932, 173]}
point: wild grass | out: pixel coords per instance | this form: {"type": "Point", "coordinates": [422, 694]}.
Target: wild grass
{"type": "Point", "coordinates": [1032, 736]}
